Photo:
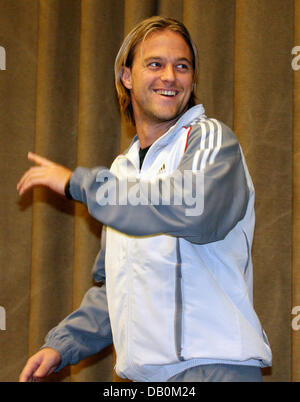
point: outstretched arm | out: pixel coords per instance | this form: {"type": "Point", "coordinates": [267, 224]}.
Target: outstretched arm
{"type": "Point", "coordinates": [210, 176]}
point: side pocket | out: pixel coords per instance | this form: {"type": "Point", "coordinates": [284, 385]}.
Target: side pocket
{"type": "Point", "coordinates": [248, 253]}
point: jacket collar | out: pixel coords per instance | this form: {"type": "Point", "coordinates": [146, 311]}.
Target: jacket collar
{"type": "Point", "coordinates": [186, 119]}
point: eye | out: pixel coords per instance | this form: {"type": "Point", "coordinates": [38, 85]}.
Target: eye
{"type": "Point", "coordinates": [182, 67]}
{"type": "Point", "coordinates": [154, 65]}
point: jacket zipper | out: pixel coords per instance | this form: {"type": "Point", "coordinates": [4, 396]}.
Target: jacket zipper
{"type": "Point", "coordinates": [178, 303]}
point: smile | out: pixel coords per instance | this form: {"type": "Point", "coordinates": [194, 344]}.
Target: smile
{"type": "Point", "coordinates": [166, 92]}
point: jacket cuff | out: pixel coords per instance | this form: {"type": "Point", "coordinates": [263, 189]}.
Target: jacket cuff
{"type": "Point", "coordinates": [76, 182]}
{"type": "Point", "coordinates": [67, 191]}
{"type": "Point", "coordinates": [64, 349]}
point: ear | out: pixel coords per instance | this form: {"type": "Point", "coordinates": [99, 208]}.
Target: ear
{"type": "Point", "coordinates": [126, 77]}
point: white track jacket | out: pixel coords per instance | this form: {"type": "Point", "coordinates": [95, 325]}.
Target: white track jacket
{"type": "Point", "coordinates": [175, 261]}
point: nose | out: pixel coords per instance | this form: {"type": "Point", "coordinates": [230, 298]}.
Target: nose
{"type": "Point", "coordinates": [168, 73]}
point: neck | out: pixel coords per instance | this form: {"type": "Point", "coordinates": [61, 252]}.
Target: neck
{"type": "Point", "coordinates": [148, 132]}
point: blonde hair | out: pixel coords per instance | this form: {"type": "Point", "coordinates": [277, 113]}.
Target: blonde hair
{"type": "Point", "coordinates": [125, 56]}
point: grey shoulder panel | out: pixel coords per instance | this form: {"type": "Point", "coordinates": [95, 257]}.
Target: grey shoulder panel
{"type": "Point", "coordinates": [209, 140]}
{"type": "Point", "coordinates": [213, 152]}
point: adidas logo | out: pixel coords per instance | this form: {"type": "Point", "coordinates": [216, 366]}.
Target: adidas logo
{"type": "Point", "coordinates": [162, 169]}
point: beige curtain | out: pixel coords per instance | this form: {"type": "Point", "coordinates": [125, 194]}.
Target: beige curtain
{"type": "Point", "coordinates": [295, 352]}
{"type": "Point", "coordinates": [57, 99]}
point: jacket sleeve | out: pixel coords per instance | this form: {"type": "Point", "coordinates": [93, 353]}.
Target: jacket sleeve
{"type": "Point", "coordinates": [210, 178]}
{"type": "Point", "coordinates": [87, 330]}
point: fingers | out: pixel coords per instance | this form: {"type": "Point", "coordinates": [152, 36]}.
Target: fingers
{"type": "Point", "coordinates": [39, 160]}
{"type": "Point", "coordinates": [40, 365]}
{"type": "Point", "coordinates": [43, 371]}
{"type": "Point", "coordinates": [28, 371]}
{"type": "Point", "coordinates": [33, 177]}
{"type": "Point", "coordinates": [33, 372]}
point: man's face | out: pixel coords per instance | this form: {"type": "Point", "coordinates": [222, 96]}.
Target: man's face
{"type": "Point", "coordinates": [161, 77]}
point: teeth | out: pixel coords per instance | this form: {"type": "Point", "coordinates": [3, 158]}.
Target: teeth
{"type": "Point", "coordinates": [165, 92]}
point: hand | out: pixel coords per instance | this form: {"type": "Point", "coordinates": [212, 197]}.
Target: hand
{"type": "Point", "coordinates": [47, 173]}
{"type": "Point", "coordinates": [40, 365]}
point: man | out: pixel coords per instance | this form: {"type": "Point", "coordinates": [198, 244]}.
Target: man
{"type": "Point", "coordinates": [178, 215]}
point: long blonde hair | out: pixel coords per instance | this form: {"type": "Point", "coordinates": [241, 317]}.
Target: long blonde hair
{"type": "Point", "coordinates": [126, 54]}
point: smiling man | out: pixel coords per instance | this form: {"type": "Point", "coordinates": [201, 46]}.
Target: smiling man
{"type": "Point", "coordinates": [176, 270]}
{"type": "Point", "coordinates": [160, 82]}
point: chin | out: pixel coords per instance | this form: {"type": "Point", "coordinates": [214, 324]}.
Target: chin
{"type": "Point", "coordinates": [168, 115]}
{"type": "Point", "coordinates": [171, 116]}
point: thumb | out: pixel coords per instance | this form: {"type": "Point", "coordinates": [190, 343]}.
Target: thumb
{"type": "Point", "coordinates": [44, 370]}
